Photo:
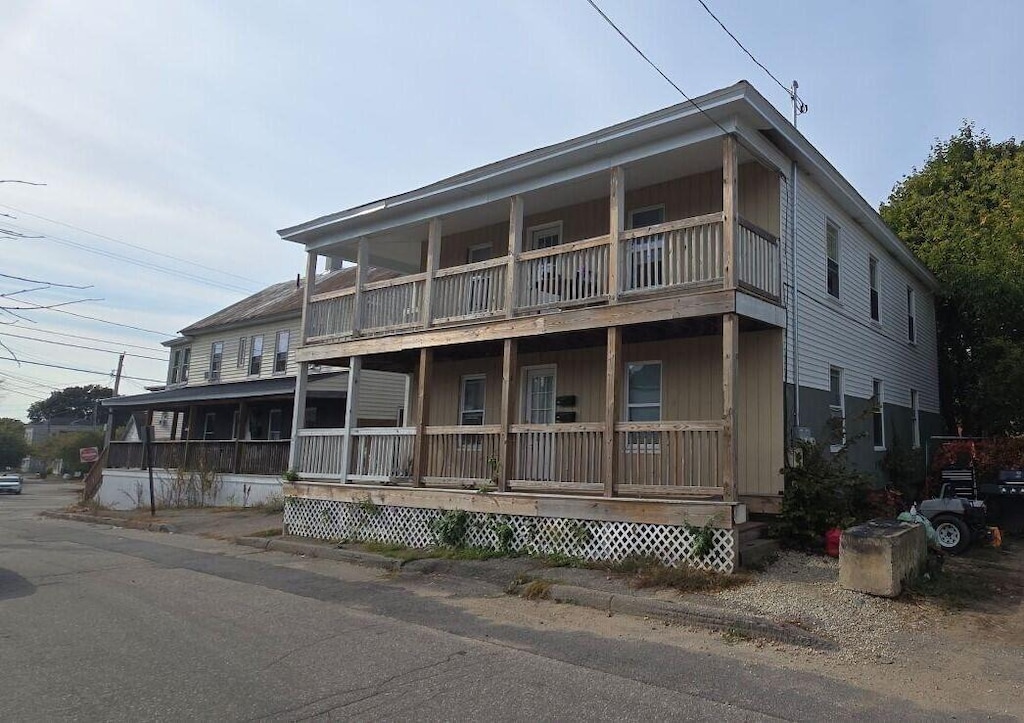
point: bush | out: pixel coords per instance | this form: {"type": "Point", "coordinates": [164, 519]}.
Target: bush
{"type": "Point", "coordinates": [904, 468]}
{"type": "Point", "coordinates": [821, 493]}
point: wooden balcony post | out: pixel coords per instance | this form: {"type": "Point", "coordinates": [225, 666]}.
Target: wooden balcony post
{"type": "Point", "coordinates": [433, 258]}
{"type": "Point", "coordinates": [515, 245]}
{"type": "Point", "coordinates": [298, 413]}
{"type": "Point", "coordinates": [355, 370]}
{"type": "Point", "coordinates": [730, 378]}
{"type": "Point", "coordinates": [363, 262]}
{"type": "Point", "coordinates": [612, 386]}
{"type": "Point", "coordinates": [730, 210]}
{"type": "Point", "coordinates": [509, 367]}
{"type": "Point", "coordinates": [616, 224]}
{"type": "Point", "coordinates": [174, 425]}
{"type": "Point", "coordinates": [243, 422]}
{"type": "Point", "coordinates": [423, 374]}
{"type": "Point", "coordinates": [307, 294]}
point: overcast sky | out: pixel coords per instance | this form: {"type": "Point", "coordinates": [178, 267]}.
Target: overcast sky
{"type": "Point", "coordinates": [196, 129]}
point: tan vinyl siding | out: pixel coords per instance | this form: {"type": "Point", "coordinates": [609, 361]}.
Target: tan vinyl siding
{"type": "Point", "coordinates": [691, 390]}
{"type": "Point", "coordinates": [230, 371]}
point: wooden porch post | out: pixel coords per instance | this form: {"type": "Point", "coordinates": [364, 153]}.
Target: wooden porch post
{"type": "Point", "coordinates": [298, 414]}
{"type": "Point", "coordinates": [423, 373]}
{"type": "Point", "coordinates": [355, 369]}
{"type": "Point", "coordinates": [616, 224]}
{"type": "Point", "coordinates": [307, 294]}
{"type": "Point", "coordinates": [515, 245]}
{"type": "Point", "coordinates": [509, 367]}
{"type": "Point", "coordinates": [363, 261]}
{"type": "Point", "coordinates": [433, 257]}
{"type": "Point", "coordinates": [174, 426]}
{"type": "Point", "coordinates": [612, 386]}
{"type": "Point", "coordinates": [730, 376]}
{"type": "Point", "coordinates": [730, 209]}
{"type": "Point", "coordinates": [243, 421]}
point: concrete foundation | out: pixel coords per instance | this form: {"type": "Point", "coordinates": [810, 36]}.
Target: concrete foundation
{"type": "Point", "coordinates": [880, 556]}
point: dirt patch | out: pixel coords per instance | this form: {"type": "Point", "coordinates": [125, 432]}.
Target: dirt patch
{"type": "Point", "coordinates": [222, 523]}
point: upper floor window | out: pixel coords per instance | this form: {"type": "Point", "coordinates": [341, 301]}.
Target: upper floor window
{"type": "Point", "coordinates": [480, 252]}
{"type": "Point", "coordinates": [179, 364]}
{"type": "Point", "coordinates": [877, 414]}
{"type": "Point", "coordinates": [644, 254]}
{"type": "Point", "coordinates": [281, 352]}
{"type": "Point", "coordinates": [255, 355]}
{"type": "Point", "coordinates": [216, 359]}
{"type": "Point", "coordinates": [873, 279]}
{"type": "Point", "coordinates": [836, 408]}
{"type": "Point", "coordinates": [911, 316]}
{"type": "Point", "coordinates": [546, 236]}
{"type": "Point", "coordinates": [832, 258]}
{"type": "Point", "coordinates": [243, 358]}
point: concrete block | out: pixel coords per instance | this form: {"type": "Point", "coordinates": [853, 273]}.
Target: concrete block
{"type": "Point", "coordinates": [879, 556]}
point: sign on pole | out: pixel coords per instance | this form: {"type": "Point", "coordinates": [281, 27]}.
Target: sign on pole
{"type": "Point", "coordinates": [88, 455]}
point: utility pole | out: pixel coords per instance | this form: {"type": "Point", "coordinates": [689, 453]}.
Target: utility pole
{"type": "Point", "coordinates": [109, 432]}
{"type": "Point", "coordinates": [799, 107]}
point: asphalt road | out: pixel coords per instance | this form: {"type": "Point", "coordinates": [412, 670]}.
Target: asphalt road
{"type": "Point", "coordinates": [104, 624]}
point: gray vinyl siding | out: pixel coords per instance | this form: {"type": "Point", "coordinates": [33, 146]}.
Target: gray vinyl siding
{"type": "Point", "coordinates": [840, 332]}
{"type": "Point", "coordinates": [382, 395]}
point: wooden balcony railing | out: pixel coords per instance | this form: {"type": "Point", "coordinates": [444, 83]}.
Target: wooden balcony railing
{"type": "Point", "coordinates": [660, 456]}
{"type": "Point", "coordinates": [264, 457]}
{"type": "Point", "coordinates": [321, 453]}
{"type": "Point", "coordinates": [382, 454]}
{"type": "Point", "coordinates": [461, 455]}
{"type": "Point", "coordinates": [558, 455]}
{"type": "Point", "coordinates": [681, 256]}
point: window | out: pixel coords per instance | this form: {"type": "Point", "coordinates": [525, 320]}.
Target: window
{"type": "Point", "coordinates": [643, 398]}
{"type": "Point", "coordinates": [873, 278]}
{"type": "Point", "coordinates": [480, 283]}
{"type": "Point", "coordinates": [911, 317]}
{"type": "Point", "coordinates": [210, 425]}
{"type": "Point", "coordinates": [179, 364]}
{"type": "Point", "coordinates": [281, 353]}
{"type": "Point", "coordinates": [543, 237]}
{"type": "Point", "coordinates": [309, 417]}
{"type": "Point", "coordinates": [832, 254]}
{"type": "Point", "coordinates": [472, 399]}
{"type": "Point", "coordinates": [836, 408]}
{"type": "Point", "coordinates": [644, 268]}
{"type": "Point", "coordinates": [877, 414]}
{"type": "Point", "coordinates": [274, 424]}
{"type": "Point", "coordinates": [545, 286]}
{"type": "Point", "coordinates": [480, 252]}
{"type": "Point", "coordinates": [915, 420]}
{"type": "Point", "coordinates": [243, 358]}
{"type": "Point", "coordinates": [255, 355]}
{"type": "Point", "coordinates": [216, 359]}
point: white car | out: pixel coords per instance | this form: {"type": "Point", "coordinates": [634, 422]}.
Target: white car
{"type": "Point", "coordinates": [10, 483]}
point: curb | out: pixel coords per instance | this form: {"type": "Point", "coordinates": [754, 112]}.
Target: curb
{"type": "Point", "coordinates": [112, 521]}
{"type": "Point", "coordinates": [322, 551]}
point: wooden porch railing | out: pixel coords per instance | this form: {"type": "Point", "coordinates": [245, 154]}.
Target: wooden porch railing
{"type": "Point", "coordinates": [673, 254]}
{"type": "Point", "coordinates": [321, 453]}
{"type": "Point", "coordinates": [758, 263]}
{"type": "Point", "coordinates": [393, 304]}
{"type": "Point", "coordinates": [473, 291]}
{"type": "Point", "coordinates": [566, 274]}
{"type": "Point", "coordinates": [266, 457]}
{"type": "Point", "coordinates": [461, 454]}
{"type": "Point", "coordinates": [668, 454]}
{"type": "Point", "coordinates": [263, 456]}
{"type": "Point", "coordinates": [382, 454]}
{"type": "Point", "coordinates": [331, 314]}
{"type": "Point", "coordinates": [557, 455]}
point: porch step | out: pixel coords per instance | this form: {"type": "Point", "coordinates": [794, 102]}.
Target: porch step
{"type": "Point", "coordinates": [750, 531]}
{"type": "Point", "coordinates": [755, 552]}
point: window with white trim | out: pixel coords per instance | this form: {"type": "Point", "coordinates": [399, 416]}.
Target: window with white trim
{"type": "Point", "coordinates": [643, 400]}
{"type": "Point", "coordinates": [274, 424]}
{"type": "Point", "coordinates": [877, 414]}
{"type": "Point", "coordinates": [911, 316]}
{"type": "Point", "coordinates": [472, 400]}
{"type": "Point", "coordinates": [832, 258]}
{"type": "Point", "coordinates": [836, 408]}
{"type": "Point", "coordinates": [255, 355]}
{"type": "Point", "coordinates": [216, 360]}
{"type": "Point", "coordinates": [875, 296]}
{"type": "Point", "coordinates": [281, 352]}
{"type": "Point", "coordinates": [243, 357]}
{"type": "Point", "coordinates": [180, 358]}
{"type": "Point", "coordinates": [915, 420]}
{"type": "Point", "coordinates": [544, 236]}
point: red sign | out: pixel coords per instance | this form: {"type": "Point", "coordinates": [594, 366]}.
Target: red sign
{"type": "Point", "coordinates": [88, 454]}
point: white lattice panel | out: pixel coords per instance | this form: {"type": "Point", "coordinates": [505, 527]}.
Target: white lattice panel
{"type": "Point", "coordinates": [587, 539]}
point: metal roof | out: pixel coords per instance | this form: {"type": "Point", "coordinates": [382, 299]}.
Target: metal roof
{"type": "Point", "coordinates": [230, 391]}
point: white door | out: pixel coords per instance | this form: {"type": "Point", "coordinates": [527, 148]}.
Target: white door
{"type": "Point", "coordinates": [537, 448]}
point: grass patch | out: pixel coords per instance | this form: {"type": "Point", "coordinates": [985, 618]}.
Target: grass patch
{"type": "Point", "coordinates": [408, 554]}
{"type": "Point", "coordinates": [732, 636]}
{"type": "Point", "coordinates": [537, 590]}
{"type": "Point", "coordinates": [646, 571]}
{"type": "Point", "coordinates": [951, 591]}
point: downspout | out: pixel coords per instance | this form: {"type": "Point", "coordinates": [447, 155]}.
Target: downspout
{"type": "Point", "coordinates": [793, 278]}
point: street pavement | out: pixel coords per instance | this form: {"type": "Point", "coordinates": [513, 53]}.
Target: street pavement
{"type": "Point", "coordinates": [98, 623]}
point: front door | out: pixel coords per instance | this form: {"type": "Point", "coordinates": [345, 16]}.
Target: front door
{"type": "Point", "coordinates": [537, 447]}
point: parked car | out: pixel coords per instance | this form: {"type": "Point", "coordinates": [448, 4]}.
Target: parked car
{"type": "Point", "coordinates": [10, 483]}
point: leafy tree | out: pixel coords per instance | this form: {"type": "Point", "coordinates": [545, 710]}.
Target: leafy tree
{"type": "Point", "coordinates": [65, 447]}
{"type": "Point", "coordinates": [963, 214]}
{"type": "Point", "coordinates": [13, 446]}
{"type": "Point", "coordinates": [73, 402]}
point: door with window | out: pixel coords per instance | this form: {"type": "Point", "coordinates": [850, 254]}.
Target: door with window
{"type": "Point", "coordinates": [645, 262]}
{"type": "Point", "coordinates": [537, 447]}
{"type": "Point", "coordinates": [546, 281]}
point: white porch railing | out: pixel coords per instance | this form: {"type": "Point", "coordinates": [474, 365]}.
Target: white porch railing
{"type": "Point", "coordinates": [757, 260]}
{"type": "Point", "coordinates": [321, 453]}
{"type": "Point", "coordinates": [678, 253]}
{"type": "Point", "coordinates": [473, 291]}
{"type": "Point", "coordinates": [561, 275]}
{"type": "Point", "coordinates": [557, 454]}
{"type": "Point", "coordinates": [382, 454]}
{"type": "Point", "coordinates": [669, 454]}
{"type": "Point", "coordinates": [461, 454]}
{"type": "Point", "coordinates": [331, 314]}
{"type": "Point", "coordinates": [393, 303]}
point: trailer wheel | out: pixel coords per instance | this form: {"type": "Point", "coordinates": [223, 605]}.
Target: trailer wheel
{"type": "Point", "coordinates": [952, 532]}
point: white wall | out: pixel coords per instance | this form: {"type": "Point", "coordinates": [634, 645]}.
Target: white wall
{"type": "Point", "coordinates": [121, 488]}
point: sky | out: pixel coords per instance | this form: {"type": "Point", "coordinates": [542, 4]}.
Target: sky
{"type": "Point", "coordinates": [175, 138]}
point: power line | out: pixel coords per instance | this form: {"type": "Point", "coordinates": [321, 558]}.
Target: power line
{"type": "Point", "coordinates": [36, 307]}
{"type": "Point", "coordinates": [83, 371]}
{"type": "Point", "coordinates": [80, 346]}
{"type": "Point", "coordinates": [129, 245]}
{"type": "Point", "coordinates": [653, 65]}
{"type": "Point", "coordinates": [39, 330]}
{"type": "Point", "coordinates": [48, 283]}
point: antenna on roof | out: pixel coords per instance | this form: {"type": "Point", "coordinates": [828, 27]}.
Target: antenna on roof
{"type": "Point", "coordinates": [799, 107]}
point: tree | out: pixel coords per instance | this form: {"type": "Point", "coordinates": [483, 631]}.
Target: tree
{"type": "Point", "coordinates": [65, 447]}
{"type": "Point", "coordinates": [74, 402]}
{"type": "Point", "coordinates": [13, 446]}
{"type": "Point", "coordinates": [963, 214]}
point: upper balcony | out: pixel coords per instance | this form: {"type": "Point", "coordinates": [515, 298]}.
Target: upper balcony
{"type": "Point", "coordinates": [686, 223]}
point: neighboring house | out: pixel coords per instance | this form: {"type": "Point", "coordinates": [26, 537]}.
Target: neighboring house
{"type": "Point", "coordinates": [39, 432]}
{"type": "Point", "coordinates": [231, 379]}
{"type": "Point", "coordinates": [624, 333]}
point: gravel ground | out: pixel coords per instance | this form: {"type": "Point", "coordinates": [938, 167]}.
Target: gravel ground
{"type": "Point", "coordinates": [804, 589]}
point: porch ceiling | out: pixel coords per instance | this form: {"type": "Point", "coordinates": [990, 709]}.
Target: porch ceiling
{"type": "Point", "coordinates": [280, 388]}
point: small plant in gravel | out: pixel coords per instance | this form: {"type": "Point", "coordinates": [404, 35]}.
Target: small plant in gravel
{"type": "Point", "coordinates": [290, 475]}
{"type": "Point", "coordinates": [271, 505]}
{"type": "Point", "coordinates": [647, 571]}
{"type": "Point", "coordinates": [537, 590]}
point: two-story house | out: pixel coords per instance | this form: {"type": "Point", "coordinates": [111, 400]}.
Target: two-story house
{"type": "Point", "coordinates": [620, 335]}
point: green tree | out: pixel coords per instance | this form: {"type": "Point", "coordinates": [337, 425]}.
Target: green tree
{"type": "Point", "coordinates": [73, 402]}
{"type": "Point", "coordinates": [13, 446]}
{"type": "Point", "coordinates": [963, 214]}
{"type": "Point", "coordinates": [65, 447]}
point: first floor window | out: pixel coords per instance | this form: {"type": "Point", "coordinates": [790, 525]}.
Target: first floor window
{"type": "Point", "coordinates": [836, 408]}
{"type": "Point", "coordinates": [274, 424]}
{"type": "Point", "coordinates": [877, 414]}
{"type": "Point", "coordinates": [210, 425]}
{"type": "Point", "coordinates": [915, 420]}
{"type": "Point", "coordinates": [643, 398]}
{"type": "Point", "coordinates": [216, 360]}
{"type": "Point", "coordinates": [471, 407]}
{"type": "Point", "coordinates": [281, 352]}
{"type": "Point", "coordinates": [255, 355]}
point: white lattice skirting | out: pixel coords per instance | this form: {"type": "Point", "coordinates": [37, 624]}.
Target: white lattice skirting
{"type": "Point", "coordinates": [592, 540]}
